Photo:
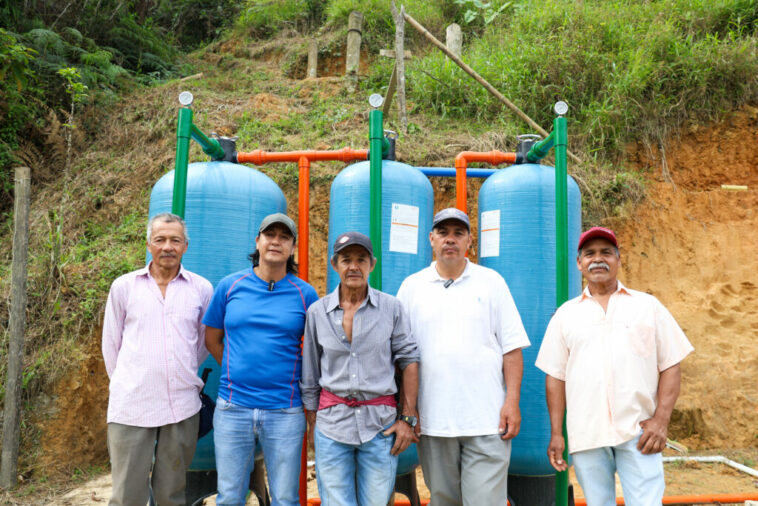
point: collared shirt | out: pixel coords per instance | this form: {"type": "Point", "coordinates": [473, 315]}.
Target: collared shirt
{"type": "Point", "coordinates": [610, 361]}
{"type": "Point", "coordinates": [363, 369]}
{"type": "Point", "coordinates": [152, 347]}
{"type": "Point", "coordinates": [463, 331]}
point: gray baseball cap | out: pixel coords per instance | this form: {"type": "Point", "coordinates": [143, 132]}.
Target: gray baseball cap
{"type": "Point", "coordinates": [278, 218]}
{"type": "Point", "coordinates": [451, 213]}
{"type": "Point", "coordinates": [350, 238]}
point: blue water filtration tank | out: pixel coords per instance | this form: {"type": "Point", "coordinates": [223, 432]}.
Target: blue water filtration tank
{"type": "Point", "coordinates": [407, 211]}
{"type": "Point", "coordinates": [225, 205]}
{"type": "Point", "coordinates": [517, 239]}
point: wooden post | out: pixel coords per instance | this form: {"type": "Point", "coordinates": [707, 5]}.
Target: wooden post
{"type": "Point", "coordinates": [353, 53]}
{"type": "Point", "coordinates": [454, 39]}
{"type": "Point", "coordinates": [400, 64]}
{"type": "Point", "coordinates": [12, 415]}
{"type": "Point", "coordinates": [312, 58]}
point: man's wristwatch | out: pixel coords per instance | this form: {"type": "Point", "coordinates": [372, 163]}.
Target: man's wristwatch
{"type": "Point", "coordinates": [410, 420]}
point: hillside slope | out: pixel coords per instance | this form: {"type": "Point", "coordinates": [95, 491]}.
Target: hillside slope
{"type": "Point", "coordinates": [692, 246]}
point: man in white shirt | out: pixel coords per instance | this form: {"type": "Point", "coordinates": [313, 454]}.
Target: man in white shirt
{"type": "Point", "coordinates": [470, 336]}
{"type": "Point", "coordinates": [612, 359]}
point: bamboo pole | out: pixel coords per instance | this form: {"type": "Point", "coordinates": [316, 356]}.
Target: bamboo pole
{"type": "Point", "coordinates": [12, 414]}
{"type": "Point", "coordinates": [513, 107]}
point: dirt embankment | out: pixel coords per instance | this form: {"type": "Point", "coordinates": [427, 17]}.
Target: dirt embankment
{"type": "Point", "coordinates": [693, 245]}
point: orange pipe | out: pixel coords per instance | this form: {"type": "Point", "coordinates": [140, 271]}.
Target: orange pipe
{"type": "Point", "coordinates": [461, 163]}
{"type": "Point", "coordinates": [303, 209]}
{"type": "Point", "coordinates": [400, 502]}
{"type": "Point", "coordinates": [303, 482]}
{"type": "Point", "coordinates": [694, 499]}
{"type": "Point", "coordinates": [673, 499]}
{"type": "Point", "coordinates": [259, 157]}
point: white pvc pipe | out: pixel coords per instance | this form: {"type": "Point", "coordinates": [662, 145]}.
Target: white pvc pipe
{"type": "Point", "coordinates": [715, 459]}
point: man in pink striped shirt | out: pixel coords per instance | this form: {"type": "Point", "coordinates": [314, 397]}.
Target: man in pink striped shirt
{"type": "Point", "coordinates": [153, 342]}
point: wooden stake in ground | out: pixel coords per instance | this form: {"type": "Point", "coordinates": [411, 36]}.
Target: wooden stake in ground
{"type": "Point", "coordinates": [353, 53]}
{"type": "Point", "coordinates": [12, 414]}
{"type": "Point", "coordinates": [521, 114]}
{"type": "Point", "coordinates": [390, 92]}
{"type": "Point", "coordinates": [454, 39]}
{"type": "Point", "coordinates": [390, 53]}
{"type": "Point", "coordinates": [312, 58]}
{"type": "Point", "coordinates": [400, 64]}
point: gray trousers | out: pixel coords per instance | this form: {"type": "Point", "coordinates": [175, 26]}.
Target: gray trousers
{"type": "Point", "coordinates": [132, 449]}
{"type": "Point", "coordinates": [470, 471]}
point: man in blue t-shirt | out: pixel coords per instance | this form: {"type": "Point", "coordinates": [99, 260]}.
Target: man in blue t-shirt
{"type": "Point", "coordinates": [254, 326]}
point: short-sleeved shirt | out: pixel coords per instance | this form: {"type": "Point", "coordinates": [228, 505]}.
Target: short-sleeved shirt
{"type": "Point", "coordinates": [263, 329]}
{"type": "Point", "coordinates": [362, 369]}
{"type": "Point", "coordinates": [462, 330]}
{"type": "Point", "coordinates": [610, 361]}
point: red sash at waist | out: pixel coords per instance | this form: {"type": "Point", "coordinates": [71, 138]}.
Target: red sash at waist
{"type": "Point", "coordinates": [328, 399]}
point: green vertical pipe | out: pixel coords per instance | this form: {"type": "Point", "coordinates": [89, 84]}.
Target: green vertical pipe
{"type": "Point", "coordinates": [376, 141]}
{"type": "Point", "coordinates": [561, 259]}
{"type": "Point", "coordinates": [183, 134]}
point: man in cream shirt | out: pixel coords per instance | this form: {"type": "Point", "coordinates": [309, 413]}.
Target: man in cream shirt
{"type": "Point", "coordinates": [612, 359]}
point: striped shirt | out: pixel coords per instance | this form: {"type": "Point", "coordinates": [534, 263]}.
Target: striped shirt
{"type": "Point", "coordinates": [152, 347]}
{"type": "Point", "coordinates": [363, 369]}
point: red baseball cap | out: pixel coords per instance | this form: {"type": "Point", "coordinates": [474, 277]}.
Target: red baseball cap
{"type": "Point", "coordinates": [598, 232]}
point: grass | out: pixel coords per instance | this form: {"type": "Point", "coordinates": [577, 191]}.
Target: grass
{"type": "Point", "coordinates": [628, 71]}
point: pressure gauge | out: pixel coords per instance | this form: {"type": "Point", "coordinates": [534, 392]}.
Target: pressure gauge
{"type": "Point", "coordinates": [186, 98]}
{"type": "Point", "coordinates": [561, 108]}
{"type": "Point", "coordinates": [375, 101]}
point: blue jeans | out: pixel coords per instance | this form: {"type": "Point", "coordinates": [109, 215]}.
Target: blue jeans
{"type": "Point", "coordinates": [342, 468]}
{"type": "Point", "coordinates": [641, 475]}
{"type": "Point", "coordinates": [237, 430]}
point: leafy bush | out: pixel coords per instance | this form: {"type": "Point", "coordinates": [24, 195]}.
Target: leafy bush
{"type": "Point", "coordinates": [264, 18]}
{"type": "Point", "coordinates": [194, 22]}
{"type": "Point", "coordinates": [16, 75]}
{"type": "Point", "coordinates": [628, 71]}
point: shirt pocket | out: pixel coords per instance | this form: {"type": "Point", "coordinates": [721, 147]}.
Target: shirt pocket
{"type": "Point", "coordinates": [641, 339]}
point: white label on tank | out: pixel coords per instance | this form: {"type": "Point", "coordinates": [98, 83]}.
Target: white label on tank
{"type": "Point", "coordinates": [404, 229]}
{"type": "Point", "coordinates": [489, 224]}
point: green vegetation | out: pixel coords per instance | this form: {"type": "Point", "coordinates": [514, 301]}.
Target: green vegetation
{"type": "Point", "coordinates": [629, 71]}
{"type": "Point", "coordinates": [111, 44]}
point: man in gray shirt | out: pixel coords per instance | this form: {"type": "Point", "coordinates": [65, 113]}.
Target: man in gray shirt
{"type": "Point", "coordinates": [354, 338]}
